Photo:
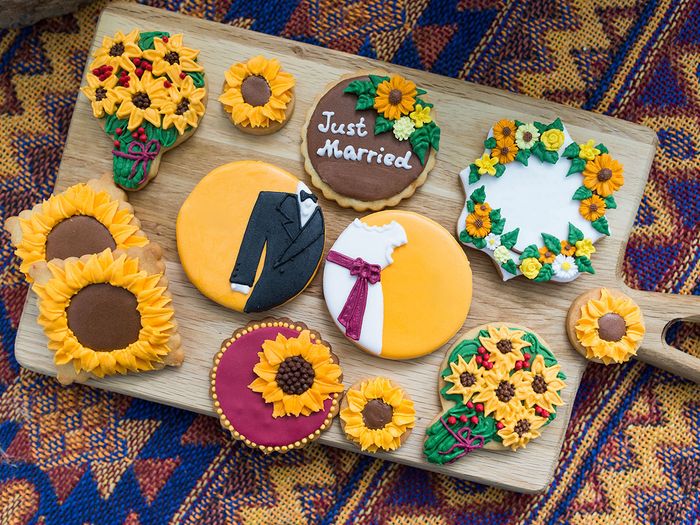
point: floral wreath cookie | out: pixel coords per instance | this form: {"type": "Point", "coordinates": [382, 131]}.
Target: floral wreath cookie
{"type": "Point", "coordinates": [83, 219]}
{"type": "Point", "coordinates": [149, 93]}
{"type": "Point", "coordinates": [397, 284]}
{"type": "Point", "coordinates": [499, 386]}
{"type": "Point", "coordinates": [276, 385]}
{"type": "Point", "coordinates": [250, 236]}
{"type": "Point", "coordinates": [370, 140]}
{"type": "Point", "coordinates": [377, 414]}
{"type": "Point", "coordinates": [258, 95]}
{"type": "Point", "coordinates": [605, 326]}
{"type": "Point", "coordinates": [107, 313]}
{"type": "Point", "coordinates": [537, 201]}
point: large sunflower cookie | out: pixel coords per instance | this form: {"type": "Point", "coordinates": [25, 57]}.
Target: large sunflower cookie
{"type": "Point", "coordinates": [499, 386]}
{"type": "Point", "coordinates": [397, 284]}
{"type": "Point", "coordinates": [370, 140]}
{"type": "Point", "coordinates": [537, 200]}
{"type": "Point", "coordinates": [83, 219]}
{"type": "Point", "coordinates": [107, 313]}
{"type": "Point", "coordinates": [276, 385]}
{"type": "Point", "coordinates": [149, 93]}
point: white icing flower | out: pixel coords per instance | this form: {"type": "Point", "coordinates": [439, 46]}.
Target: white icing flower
{"type": "Point", "coordinates": [564, 266]}
{"type": "Point", "coordinates": [526, 136]}
{"type": "Point", "coordinates": [403, 128]}
{"type": "Point", "coordinates": [501, 254]}
{"type": "Point", "coordinates": [493, 241]}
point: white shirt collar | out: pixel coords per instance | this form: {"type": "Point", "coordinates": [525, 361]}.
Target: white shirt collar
{"type": "Point", "coordinates": [306, 207]}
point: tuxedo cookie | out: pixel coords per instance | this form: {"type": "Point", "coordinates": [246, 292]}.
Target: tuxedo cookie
{"type": "Point", "coordinates": [397, 284]}
{"type": "Point", "coordinates": [250, 236]}
{"type": "Point", "coordinates": [370, 140]}
{"type": "Point", "coordinates": [276, 385]}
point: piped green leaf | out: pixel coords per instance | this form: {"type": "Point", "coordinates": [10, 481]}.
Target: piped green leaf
{"type": "Point", "coordinates": [552, 243]}
{"type": "Point", "coordinates": [509, 239]}
{"type": "Point", "coordinates": [473, 174]}
{"type": "Point", "coordinates": [577, 166]}
{"type": "Point", "coordinates": [470, 206]}
{"type": "Point", "coordinates": [510, 267]}
{"type": "Point", "coordinates": [146, 38]}
{"type": "Point", "coordinates": [584, 265]}
{"type": "Point", "coordinates": [602, 148]}
{"type": "Point", "coordinates": [382, 125]}
{"type": "Point", "coordinates": [497, 226]}
{"type": "Point", "coordinates": [360, 87]}
{"type": "Point", "coordinates": [376, 80]}
{"type": "Point", "coordinates": [610, 202]}
{"type": "Point", "coordinates": [479, 243]}
{"type": "Point", "coordinates": [500, 170]}
{"type": "Point", "coordinates": [574, 234]}
{"type": "Point", "coordinates": [545, 273]}
{"type": "Point", "coordinates": [364, 101]}
{"type": "Point", "coordinates": [465, 237]}
{"type": "Point", "coordinates": [523, 156]}
{"type": "Point", "coordinates": [557, 124]}
{"type": "Point", "coordinates": [582, 193]}
{"type": "Point", "coordinates": [571, 151]}
{"type": "Point", "coordinates": [529, 251]}
{"type": "Point", "coordinates": [490, 143]}
{"type": "Point", "coordinates": [601, 225]}
{"type": "Point", "coordinates": [479, 195]}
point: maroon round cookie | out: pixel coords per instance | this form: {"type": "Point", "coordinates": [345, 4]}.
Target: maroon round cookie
{"type": "Point", "coordinates": [356, 161]}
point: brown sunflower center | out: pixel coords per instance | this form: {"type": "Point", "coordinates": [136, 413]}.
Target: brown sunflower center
{"type": "Point", "coordinates": [77, 236]}
{"type": "Point", "coordinates": [104, 317]}
{"type": "Point", "coordinates": [611, 327]}
{"type": "Point", "coordinates": [478, 223]}
{"type": "Point", "coordinates": [182, 107]}
{"type": "Point", "coordinates": [548, 254]}
{"type": "Point", "coordinates": [295, 375]}
{"type": "Point", "coordinates": [504, 346]}
{"type": "Point", "coordinates": [467, 379]}
{"type": "Point", "coordinates": [521, 427]}
{"type": "Point", "coordinates": [255, 90]}
{"type": "Point", "coordinates": [527, 136]}
{"type": "Point", "coordinates": [604, 174]}
{"type": "Point", "coordinates": [141, 100]}
{"type": "Point", "coordinates": [505, 391]}
{"type": "Point", "coordinates": [377, 414]}
{"type": "Point", "coordinates": [505, 150]}
{"type": "Point", "coordinates": [539, 385]}
{"type": "Point", "coordinates": [117, 49]}
{"type": "Point", "coordinates": [593, 207]}
{"type": "Point", "coordinates": [100, 93]}
{"type": "Point", "coordinates": [506, 132]}
{"type": "Point", "coordinates": [172, 57]}
{"type": "Point", "coordinates": [395, 97]}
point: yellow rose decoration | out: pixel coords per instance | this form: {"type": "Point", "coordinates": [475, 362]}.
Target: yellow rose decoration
{"type": "Point", "coordinates": [588, 151]}
{"type": "Point", "coordinates": [584, 248]}
{"type": "Point", "coordinates": [530, 267]}
{"type": "Point", "coordinates": [553, 139]}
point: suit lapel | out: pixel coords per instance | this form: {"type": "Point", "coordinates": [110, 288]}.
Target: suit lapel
{"type": "Point", "coordinates": [289, 215]}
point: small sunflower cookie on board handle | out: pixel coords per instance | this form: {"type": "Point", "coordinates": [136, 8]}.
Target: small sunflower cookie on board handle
{"type": "Point", "coordinates": [258, 95]}
{"type": "Point", "coordinates": [107, 313]}
{"type": "Point", "coordinates": [276, 385]}
{"type": "Point", "coordinates": [377, 414]}
{"type": "Point", "coordinates": [370, 140]}
{"type": "Point", "coordinates": [148, 91]}
{"type": "Point", "coordinates": [499, 386]}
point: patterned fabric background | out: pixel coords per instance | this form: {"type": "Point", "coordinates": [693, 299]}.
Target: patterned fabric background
{"type": "Point", "coordinates": [631, 455]}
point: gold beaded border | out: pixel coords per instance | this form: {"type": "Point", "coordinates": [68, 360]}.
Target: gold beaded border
{"type": "Point", "coordinates": [251, 327]}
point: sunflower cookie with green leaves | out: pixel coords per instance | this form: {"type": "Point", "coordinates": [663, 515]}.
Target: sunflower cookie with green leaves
{"type": "Point", "coordinates": [537, 201]}
{"type": "Point", "coordinates": [149, 93]}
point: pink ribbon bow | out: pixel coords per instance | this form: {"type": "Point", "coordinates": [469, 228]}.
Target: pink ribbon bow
{"type": "Point", "coordinates": [142, 153]}
{"type": "Point", "coordinates": [465, 442]}
{"type": "Point", "coordinates": [353, 311]}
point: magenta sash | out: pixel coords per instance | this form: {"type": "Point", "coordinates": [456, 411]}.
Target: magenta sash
{"type": "Point", "coordinates": [465, 442]}
{"type": "Point", "coordinates": [354, 310]}
{"type": "Point", "coordinates": [142, 153]}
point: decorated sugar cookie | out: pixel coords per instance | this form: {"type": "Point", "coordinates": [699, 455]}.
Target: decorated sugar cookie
{"type": "Point", "coordinates": [370, 140]}
{"type": "Point", "coordinates": [258, 95]}
{"type": "Point", "coordinates": [377, 414]}
{"type": "Point", "coordinates": [605, 326]}
{"type": "Point", "coordinates": [397, 284]}
{"type": "Point", "coordinates": [499, 386]}
{"type": "Point", "coordinates": [276, 385]}
{"type": "Point", "coordinates": [107, 313]}
{"type": "Point", "coordinates": [148, 91]}
{"type": "Point", "coordinates": [83, 219]}
{"type": "Point", "coordinates": [250, 236]}
{"type": "Point", "coordinates": [537, 201]}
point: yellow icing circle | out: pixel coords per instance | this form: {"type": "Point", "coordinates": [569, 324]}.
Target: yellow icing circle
{"type": "Point", "coordinates": [212, 222]}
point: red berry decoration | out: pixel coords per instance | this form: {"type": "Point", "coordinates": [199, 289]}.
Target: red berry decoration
{"type": "Point", "coordinates": [183, 75]}
{"type": "Point", "coordinates": [96, 71]}
{"type": "Point", "coordinates": [136, 61]}
{"type": "Point", "coordinates": [118, 131]}
{"type": "Point", "coordinates": [143, 137]}
{"type": "Point", "coordinates": [474, 420]}
{"type": "Point", "coordinates": [527, 357]}
{"type": "Point", "coordinates": [139, 72]}
{"type": "Point", "coordinates": [140, 130]}
{"type": "Point", "coordinates": [489, 365]}
{"type": "Point", "coordinates": [147, 66]}
{"type": "Point", "coordinates": [166, 84]}
{"type": "Point", "coordinates": [165, 39]}
{"type": "Point", "coordinates": [479, 359]}
{"type": "Point", "coordinates": [117, 144]}
{"type": "Point", "coordinates": [451, 420]}
{"type": "Point", "coordinates": [479, 407]}
{"type": "Point", "coordinates": [470, 404]}
{"type": "Point", "coordinates": [500, 425]}
{"type": "Point", "coordinates": [518, 365]}
{"type": "Point", "coordinates": [463, 418]}
{"type": "Point", "coordinates": [481, 350]}
{"type": "Point", "coordinates": [135, 134]}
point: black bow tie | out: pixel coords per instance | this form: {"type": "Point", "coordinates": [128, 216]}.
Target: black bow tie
{"type": "Point", "coordinates": [303, 195]}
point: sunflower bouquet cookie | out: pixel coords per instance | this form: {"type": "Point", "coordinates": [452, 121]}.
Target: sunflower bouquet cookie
{"type": "Point", "coordinates": [148, 91]}
{"type": "Point", "coordinates": [499, 386]}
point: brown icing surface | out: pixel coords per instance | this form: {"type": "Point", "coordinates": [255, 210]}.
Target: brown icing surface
{"type": "Point", "coordinates": [255, 90]}
{"type": "Point", "coordinates": [77, 236]}
{"type": "Point", "coordinates": [377, 414]}
{"type": "Point", "coordinates": [104, 317]}
{"type": "Point", "coordinates": [357, 179]}
{"type": "Point", "coordinates": [611, 327]}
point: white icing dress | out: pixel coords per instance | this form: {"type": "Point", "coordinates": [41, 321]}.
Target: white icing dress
{"type": "Point", "coordinates": [375, 245]}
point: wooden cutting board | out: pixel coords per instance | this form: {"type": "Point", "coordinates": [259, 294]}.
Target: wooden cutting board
{"type": "Point", "coordinates": [467, 112]}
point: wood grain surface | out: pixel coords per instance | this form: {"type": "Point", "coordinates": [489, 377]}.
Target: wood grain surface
{"type": "Point", "coordinates": [467, 112]}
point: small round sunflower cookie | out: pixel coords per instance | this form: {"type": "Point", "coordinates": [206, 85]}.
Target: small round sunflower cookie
{"type": "Point", "coordinates": [499, 385]}
{"type": "Point", "coordinates": [370, 140]}
{"type": "Point", "coordinates": [276, 385]}
{"type": "Point", "coordinates": [377, 414]}
{"type": "Point", "coordinates": [84, 219]}
{"type": "Point", "coordinates": [605, 326]}
{"type": "Point", "coordinates": [107, 313]}
{"type": "Point", "coordinates": [258, 95]}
